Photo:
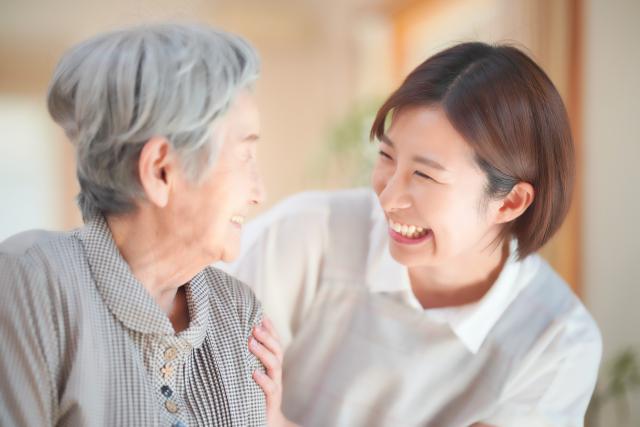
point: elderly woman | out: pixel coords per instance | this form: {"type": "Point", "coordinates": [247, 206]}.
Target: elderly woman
{"type": "Point", "coordinates": [121, 322]}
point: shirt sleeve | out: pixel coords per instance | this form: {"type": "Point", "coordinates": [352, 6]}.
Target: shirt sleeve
{"type": "Point", "coordinates": [555, 390]}
{"type": "Point", "coordinates": [250, 312]}
{"type": "Point", "coordinates": [280, 259]}
{"type": "Point", "coordinates": [27, 390]}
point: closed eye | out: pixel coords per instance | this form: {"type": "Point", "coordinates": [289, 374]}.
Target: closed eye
{"type": "Point", "coordinates": [423, 175]}
{"type": "Point", "coordinates": [383, 154]}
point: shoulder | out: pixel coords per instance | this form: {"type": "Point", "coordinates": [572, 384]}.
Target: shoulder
{"type": "Point", "coordinates": [561, 306]}
{"type": "Point", "coordinates": [38, 270]}
{"type": "Point", "coordinates": [21, 243]}
{"type": "Point", "coordinates": [226, 286]}
{"type": "Point", "coordinates": [318, 203]}
{"type": "Point", "coordinates": [41, 248]}
{"type": "Point", "coordinates": [558, 325]}
{"type": "Point", "coordinates": [555, 349]}
{"type": "Point", "coordinates": [35, 300]}
{"type": "Point", "coordinates": [36, 255]}
{"type": "Point", "coordinates": [226, 291]}
{"type": "Point", "coordinates": [320, 207]}
{"type": "Point", "coordinates": [301, 222]}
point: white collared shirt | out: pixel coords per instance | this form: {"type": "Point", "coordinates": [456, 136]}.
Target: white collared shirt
{"type": "Point", "coordinates": [361, 351]}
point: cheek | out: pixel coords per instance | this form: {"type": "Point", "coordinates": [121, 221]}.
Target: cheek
{"type": "Point", "coordinates": [459, 218]}
{"type": "Point", "coordinates": [379, 178]}
{"type": "Point", "coordinates": [207, 211]}
{"type": "Point", "coordinates": [440, 207]}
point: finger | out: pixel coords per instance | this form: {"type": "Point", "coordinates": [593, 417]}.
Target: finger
{"type": "Point", "coordinates": [268, 324]}
{"type": "Point", "coordinates": [268, 386]}
{"type": "Point", "coordinates": [268, 359]}
{"type": "Point", "coordinates": [268, 340]}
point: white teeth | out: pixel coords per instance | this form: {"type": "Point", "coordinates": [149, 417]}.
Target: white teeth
{"type": "Point", "coordinates": [412, 231]}
{"type": "Point", "coordinates": [238, 219]}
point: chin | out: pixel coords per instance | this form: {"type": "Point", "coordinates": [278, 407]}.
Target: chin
{"type": "Point", "coordinates": [229, 254]}
{"type": "Point", "coordinates": [412, 259]}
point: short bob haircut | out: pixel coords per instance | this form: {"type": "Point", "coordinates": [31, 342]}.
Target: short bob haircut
{"type": "Point", "coordinates": [509, 111]}
{"type": "Point", "coordinates": [114, 92]}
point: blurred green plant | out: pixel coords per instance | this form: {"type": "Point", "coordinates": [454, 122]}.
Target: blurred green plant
{"type": "Point", "coordinates": [348, 153]}
{"type": "Point", "coordinates": [620, 379]}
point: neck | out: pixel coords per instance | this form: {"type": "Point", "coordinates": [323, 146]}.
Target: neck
{"type": "Point", "coordinates": [450, 285]}
{"type": "Point", "coordinates": [155, 256]}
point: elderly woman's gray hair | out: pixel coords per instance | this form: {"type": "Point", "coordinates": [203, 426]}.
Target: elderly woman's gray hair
{"type": "Point", "coordinates": [114, 92]}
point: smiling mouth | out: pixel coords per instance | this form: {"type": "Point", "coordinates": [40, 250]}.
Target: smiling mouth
{"type": "Point", "coordinates": [408, 231]}
{"type": "Point", "coordinates": [237, 220]}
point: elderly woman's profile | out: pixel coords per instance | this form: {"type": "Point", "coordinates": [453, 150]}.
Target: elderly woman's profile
{"type": "Point", "coordinates": [122, 322]}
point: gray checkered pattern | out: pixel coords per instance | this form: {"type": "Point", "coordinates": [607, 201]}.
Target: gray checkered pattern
{"type": "Point", "coordinates": [83, 343]}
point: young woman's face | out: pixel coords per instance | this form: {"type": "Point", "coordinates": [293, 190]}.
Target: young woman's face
{"type": "Point", "coordinates": [432, 191]}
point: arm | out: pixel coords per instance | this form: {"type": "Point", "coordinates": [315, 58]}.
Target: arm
{"type": "Point", "coordinates": [27, 386]}
{"type": "Point", "coordinates": [263, 357]}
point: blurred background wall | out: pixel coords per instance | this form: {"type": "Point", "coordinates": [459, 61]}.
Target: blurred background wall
{"type": "Point", "coordinates": [326, 66]}
{"type": "Point", "coordinates": [611, 204]}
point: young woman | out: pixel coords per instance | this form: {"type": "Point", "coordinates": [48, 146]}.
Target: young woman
{"type": "Point", "coordinates": [424, 302]}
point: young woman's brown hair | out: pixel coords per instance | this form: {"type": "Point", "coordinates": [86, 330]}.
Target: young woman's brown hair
{"type": "Point", "coordinates": [509, 111]}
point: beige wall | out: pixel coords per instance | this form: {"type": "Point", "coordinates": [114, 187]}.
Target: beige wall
{"type": "Point", "coordinates": [317, 59]}
{"type": "Point", "coordinates": [612, 174]}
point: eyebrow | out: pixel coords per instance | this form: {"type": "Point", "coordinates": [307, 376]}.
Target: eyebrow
{"type": "Point", "coordinates": [418, 159]}
{"type": "Point", "coordinates": [252, 137]}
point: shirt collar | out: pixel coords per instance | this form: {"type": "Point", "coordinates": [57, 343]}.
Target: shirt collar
{"type": "Point", "coordinates": [472, 322]}
{"type": "Point", "coordinates": [127, 298]}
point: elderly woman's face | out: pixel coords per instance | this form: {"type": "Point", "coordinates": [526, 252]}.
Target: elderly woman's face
{"type": "Point", "coordinates": [211, 213]}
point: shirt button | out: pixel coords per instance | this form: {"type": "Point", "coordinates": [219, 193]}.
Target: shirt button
{"type": "Point", "coordinates": [170, 354]}
{"type": "Point", "coordinates": [167, 371]}
{"type": "Point", "coordinates": [178, 424]}
{"type": "Point", "coordinates": [166, 391]}
{"type": "Point", "coordinates": [171, 406]}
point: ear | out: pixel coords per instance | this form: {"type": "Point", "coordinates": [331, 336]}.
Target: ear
{"type": "Point", "coordinates": [515, 203]}
{"type": "Point", "coordinates": [156, 166]}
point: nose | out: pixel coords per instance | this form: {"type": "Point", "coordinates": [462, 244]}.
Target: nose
{"type": "Point", "coordinates": [394, 195]}
{"type": "Point", "coordinates": [259, 193]}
